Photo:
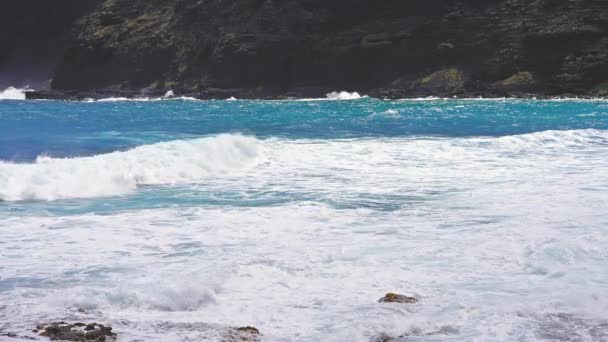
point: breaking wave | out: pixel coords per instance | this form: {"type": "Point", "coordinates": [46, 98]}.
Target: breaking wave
{"type": "Point", "coordinates": [12, 93]}
{"type": "Point", "coordinates": [343, 95]}
{"type": "Point", "coordinates": [118, 173]}
{"type": "Point", "coordinates": [192, 161]}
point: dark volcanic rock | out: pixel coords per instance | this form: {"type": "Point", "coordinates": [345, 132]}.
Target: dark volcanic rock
{"type": "Point", "coordinates": [450, 81]}
{"type": "Point", "coordinates": [395, 48]}
{"type": "Point", "coordinates": [243, 334]}
{"type": "Point", "coordinates": [397, 298]}
{"type": "Point", "coordinates": [61, 331]}
{"type": "Point", "coordinates": [76, 95]}
{"type": "Point", "coordinates": [250, 330]}
{"type": "Point", "coordinates": [33, 37]}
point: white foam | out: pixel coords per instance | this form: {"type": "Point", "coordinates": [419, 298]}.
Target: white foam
{"type": "Point", "coordinates": [343, 95]}
{"type": "Point", "coordinates": [489, 233]}
{"type": "Point", "coordinates": [192, 161]}
{"type": "Point", "coordinates": [143, 99]}
{"type": "Point", "coordinates": [117, 173]}
{"type": "Point", "coordinates": [12, 93]}
{"type": "Point", "coordinates": [388, 112]}
{"type": "Point", "coordinates": [510, 99]}
{"type": "Point", "coordinates": [169, 93]}
{"type": "Point", "coordinates": [121, 99]}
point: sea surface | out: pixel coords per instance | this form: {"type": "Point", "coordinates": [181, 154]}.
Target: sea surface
{"type": "Point", "coordinates": [172, 219]}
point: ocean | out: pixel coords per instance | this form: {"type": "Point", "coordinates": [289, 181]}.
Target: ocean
{"type": "Point", "coordinates": [173, 219]}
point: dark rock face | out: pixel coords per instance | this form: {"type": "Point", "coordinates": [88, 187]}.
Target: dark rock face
{"type": "Point", "coordinates": [33, 36]}
{"type": "Point", "coordinates": [397, 298]}
{"type": "Point", "coordinates": [243, 334]}
{"type": "Point", "coordinates": [250, 330]}
{"type": "Point", "coordinates": [394, 48]}
{"type": "Point", "coordinates": [61, 331]}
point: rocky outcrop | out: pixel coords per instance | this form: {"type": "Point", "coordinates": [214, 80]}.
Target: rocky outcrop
{"type": "Point", "coordinates": [397, 298]}
{"type": "Point", "coordinates": [61, 331]}
{"type": "Point", "coordinates": [392, 48]}
{"type": "Point", "coordinates": [33, 37]}
{"type": "Point", "coordinates": [243, 334]}
{"type": "Point", "coordinates": [446, 81]}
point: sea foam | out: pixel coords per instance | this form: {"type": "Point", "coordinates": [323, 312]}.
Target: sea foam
{"type": "Point", "coordinates": [343, 95]}
{"type": "Point", "coordinates": [12, 93]}
{"type": "Point", "coordinates": [117, 173]}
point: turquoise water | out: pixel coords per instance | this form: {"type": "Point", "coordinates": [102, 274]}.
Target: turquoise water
{"type": "Point", "coordinates": [68, 129]}
{"type": "Point", "coordinates": [296, 216]}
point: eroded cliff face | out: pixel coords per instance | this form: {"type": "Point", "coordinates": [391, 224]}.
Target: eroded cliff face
{"type": "Point", "coordinates": [33, 37]}
{"type": "Point", "coordinates": [308, 47]}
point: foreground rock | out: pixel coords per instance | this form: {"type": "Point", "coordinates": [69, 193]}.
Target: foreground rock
{"type": "Point", "coordinates": [243, 334]}
{"type": "Point", "coordinates": [397, 298]}
{"type": "Point", "coordinates": [61, 331]}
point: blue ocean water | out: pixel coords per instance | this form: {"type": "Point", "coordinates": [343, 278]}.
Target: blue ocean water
{"type": "Point", "coordinates": [296, 216]}
{"type": "Point", "coordinates": [68, 129]}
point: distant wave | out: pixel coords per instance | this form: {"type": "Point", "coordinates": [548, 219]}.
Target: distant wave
{"type": "Point", "coordinates": [12, 93]}
{"type": "Point", "coordinates": [333, 96]}
{"type": "Point", "coordinates": [142, 99]}
{"type": "Point", "coordinates": [118, 173]}
{"type": "Point", "coordinates": [343, 95]}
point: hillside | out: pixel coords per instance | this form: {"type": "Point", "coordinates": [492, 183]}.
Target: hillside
{"type": "Point", "coordinates": [265, 48]}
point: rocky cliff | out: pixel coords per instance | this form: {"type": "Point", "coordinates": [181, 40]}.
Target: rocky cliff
{"type": "Point", "coordinates": [34, 35]}
{"type": "Point", "coordinates": [394, 48]}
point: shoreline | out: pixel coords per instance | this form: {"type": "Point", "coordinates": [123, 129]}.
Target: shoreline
{"type": "Point", "coordinates": [146, 95]}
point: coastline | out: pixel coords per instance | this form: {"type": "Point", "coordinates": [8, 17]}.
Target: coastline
{"type": "Point", "coordinates": [246, 94]}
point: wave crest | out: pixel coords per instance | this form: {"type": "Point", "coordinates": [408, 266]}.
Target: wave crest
{"type": "Point", "coordinates": [343, 95]}
{"type": "Point", "coordinates": [12, 93]}
{"type": "Point", "coordinates": [118, 173]}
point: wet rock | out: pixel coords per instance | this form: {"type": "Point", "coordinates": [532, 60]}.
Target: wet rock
{"type": "Point", "coordinates": [242, 334]}
{"type": "Point", "coordinates": [397, 298]}
{"type": "Point", "coordinates": [62, 331]}
{"type": "Point", "coordinates": [251, 330]}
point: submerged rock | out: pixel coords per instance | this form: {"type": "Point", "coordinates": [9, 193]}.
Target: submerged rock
{"type": "Point", "coordinates": [444, 330]}
{"type": "Point", "coordinates": [61, 331]}
{"type": "Point", "coordinates": [397, 298]}
{"type": "Point", "coordinates": [382, 338]}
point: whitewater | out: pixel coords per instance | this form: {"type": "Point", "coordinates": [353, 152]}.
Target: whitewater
{"type": "Point", "coordinates": [172, 220]}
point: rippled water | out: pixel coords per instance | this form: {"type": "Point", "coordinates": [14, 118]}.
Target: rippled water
{"type": "Point", "coordinates": [297, 216]}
